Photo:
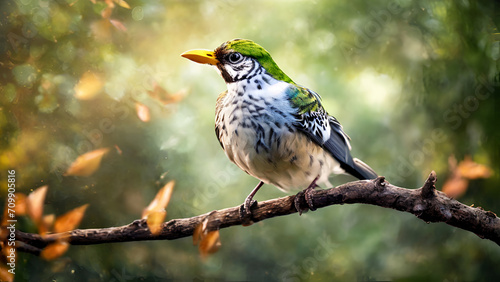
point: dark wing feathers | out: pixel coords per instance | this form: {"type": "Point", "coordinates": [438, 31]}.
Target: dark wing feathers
{"type": "Point", "coordinates": [337, 144]}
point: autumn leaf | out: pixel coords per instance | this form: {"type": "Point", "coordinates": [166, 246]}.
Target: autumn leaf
{"type": "Point", "coordinates": [46, 224]}
{"type": "Point", "coordinates": [118, 24]}
{"type": "Point", "coordinates": [161, 200]}
{"type": "Point", "coordinates": [455, 187]}
{"type": "Point", "coordinates": [160, 94]}
{"type": "Point", "coordinates": [86, 164]}
{"type": "Point", "coordinates": [118, 150]}
{"type": "Point", "coordinates": [123, 4]}
{"type": "Point", "coordinates": [209, 241]}
{"type": "Point", "coordinates": [198, 233]}
{"type": "Point", "coordinates": [472, 170]}
{"type": "Point", "coordinates": [155, 212]}
{"type": "Point", "coordinates": [20, 208]}
{"type": "Point", "coordinates": [154, 221]}
{"type": "Point", "coordinates": [5, 275]}
{"type": "Point", "coordinates": [54, 250]}
{"type": "Point", "coordinates": [70, 220]}
{"type": "Point", "coordinates": [209, 244]}
{"type": "Point", "coordinates": [89, 85]}
{"type": "Point", "coordinates": [458, 182]}
{"type": "Point", "coordinates": [34, 203]}
{"type": "Point", "coordinates": [142, 112]}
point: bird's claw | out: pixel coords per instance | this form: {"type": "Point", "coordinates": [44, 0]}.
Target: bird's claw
{"type": "Point", "coordinates": [308, 196]}
{"type": "Point", "coordinates": [246, 213]}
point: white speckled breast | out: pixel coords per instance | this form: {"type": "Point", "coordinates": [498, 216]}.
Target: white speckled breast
{"type": "Point", "coordinates": [254, 124]}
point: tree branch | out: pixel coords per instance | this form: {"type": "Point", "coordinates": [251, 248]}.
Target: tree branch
{"type": "Point", "coordinates": [426, 203]}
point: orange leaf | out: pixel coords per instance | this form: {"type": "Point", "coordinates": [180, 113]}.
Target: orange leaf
{"type": "Point", "coordinates": [142, 112]}
{"type": "Point", "coordinates": [154, 221]}
{"type": "Point", "coordinates": [161, 200]}
{"type": "Point", "coordinates": [5, 275]}
{"type": "Point", "coordinates": [54, 250]}
{"type": "Point", "coordinates": [161, 95]}
{"type": "Point", "coordinates": [46, 223]}
{"type": "Point", "coordinates": [455, 186]}
{"type": "Point", "coordinates": [86, 164]}
{"type": "Point", "coordinates": [210, 243]}
{"type": "Point", "coordinates": [123, 4]}
{"type": "Point", "coordinates": [106, 12]}
{"type": "Point", "coordinates": [70, 220]}
{"type": "Point", "coordinates": [34, 203]}
{"type": "Point", "coordinates": [118, 24]}
{"type": "Point", "coordinates": [20, 208]}
{"type": "Point", "coordinates": [118, 150]}
{"type": "Point", "coordinates": [472, 170]}
{"type": "Point", "coordinates": [89, 85]}
{"type": "Point", "coordinates": [198, 233]}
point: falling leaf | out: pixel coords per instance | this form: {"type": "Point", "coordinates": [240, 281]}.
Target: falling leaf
{"type": "Point", "coordinates": [154, 221]}
{"type": "Point", "coordinates": [5, 275]}
{"type": "Point", "coordinates": [123, 4]}
{"type": "Point", "coordinates": [54, 250]}
{"type": "Point", "coordinates": [142, 112]}
{"type": "Point", "coordinates": [161, 200]}
{"type": "Point", "coordinates": [155, 213]}
{"type": "Point", "coordinates": [210, 243]}
{"type": "Point", "coordinates": [70, 220]}
{"type": "Point", "coordinates": [472, 170]}
{"type": "Point", "coordinates": [89, 85]}
{"type": "Point", "coordinates": [118, 150]}
{"type": "Point", "coordinates": [34, 203]}
{"type": "Point", "coordinates": [106, 13]}
{"type": "Point", "coordinates": [458, 182]}
{"type": "Point", "coordinates": [86, 164]}
{"type": "Point", "coordinates": [455, 186]}
{"type": "Point", "coordinates": [118, 24]}
{"type": "Point", "coordinates": [20, 208]}
{"type": "Point", "coordinates": [160, 94]}
{"type": "Point", "coordinates": [46, 223]}
{"type": "Point", "coordinates": [198, 234]}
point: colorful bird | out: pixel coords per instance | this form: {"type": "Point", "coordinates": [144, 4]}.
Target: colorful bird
{"type": "Point", "coordinates": [272, 128]}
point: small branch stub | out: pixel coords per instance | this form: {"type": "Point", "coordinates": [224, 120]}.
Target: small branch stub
{"type": "Point", "coordinates": [429, 188]}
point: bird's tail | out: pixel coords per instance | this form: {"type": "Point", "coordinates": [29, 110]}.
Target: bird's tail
{"type": "Point", "coordinates": [363, 171]}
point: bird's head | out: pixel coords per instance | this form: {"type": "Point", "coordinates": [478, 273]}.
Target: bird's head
{"type": "Point", "coordinates": [236, 59]}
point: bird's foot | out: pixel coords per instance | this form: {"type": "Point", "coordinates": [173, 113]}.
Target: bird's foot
{"type": "Point", "coordinates": [246, 213]}
{"type": "Point", "coordinates": [308, 196]}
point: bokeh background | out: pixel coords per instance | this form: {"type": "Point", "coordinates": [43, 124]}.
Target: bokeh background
{"type": "Point", "coordinates": [414, 83]}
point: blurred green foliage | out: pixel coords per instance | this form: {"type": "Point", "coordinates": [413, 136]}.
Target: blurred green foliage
{"type": "Point", "coordinates": [413, 82]}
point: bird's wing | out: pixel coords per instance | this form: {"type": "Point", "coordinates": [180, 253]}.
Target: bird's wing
{"type": "Point", "coordinates": [326, 131]}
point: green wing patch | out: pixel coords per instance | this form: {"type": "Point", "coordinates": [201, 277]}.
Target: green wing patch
{"type": "Point", "coordinates": [304, 99]}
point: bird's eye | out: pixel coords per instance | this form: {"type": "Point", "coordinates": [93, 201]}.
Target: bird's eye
{"type": "Point", "coordinates": [234, 57]}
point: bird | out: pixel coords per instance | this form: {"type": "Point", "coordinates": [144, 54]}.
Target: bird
{"type": "Point", "coordinates": [274, 129]}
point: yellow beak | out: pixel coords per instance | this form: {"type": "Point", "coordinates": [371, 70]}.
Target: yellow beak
{"type": "Point", "coordinates": [201, 56]}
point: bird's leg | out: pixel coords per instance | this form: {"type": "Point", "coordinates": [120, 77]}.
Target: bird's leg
{"type": "Point", "coordinates": [307, 195]}
{"type": "Point", "coordinates": [245, 212]}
